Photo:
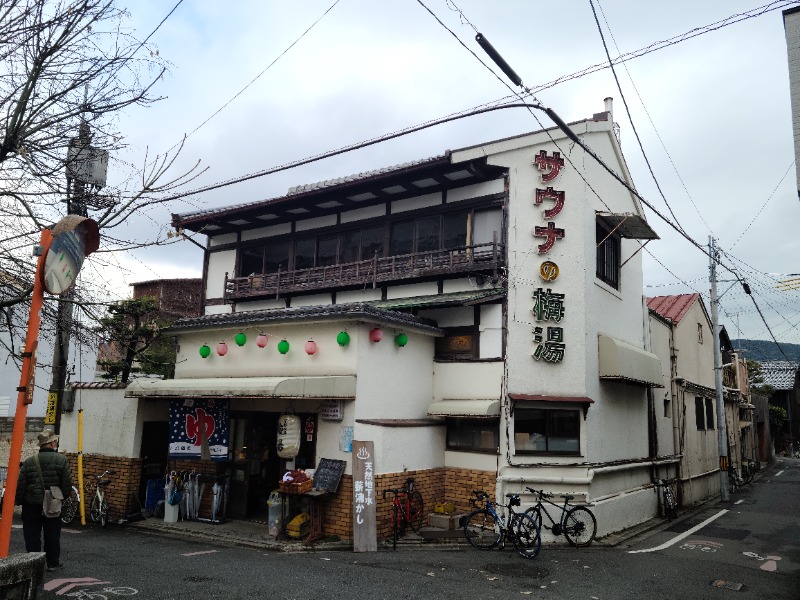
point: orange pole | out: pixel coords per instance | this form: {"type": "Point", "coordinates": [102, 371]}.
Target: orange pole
{"type": "Point", "coordinates": [27, 378]}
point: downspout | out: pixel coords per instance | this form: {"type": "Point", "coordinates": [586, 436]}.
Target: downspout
{"type": "Point", "coordinates": [677, 409]}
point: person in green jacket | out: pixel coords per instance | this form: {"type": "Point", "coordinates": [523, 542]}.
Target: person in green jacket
{"type": "Point", "coordinates": [55, 471]}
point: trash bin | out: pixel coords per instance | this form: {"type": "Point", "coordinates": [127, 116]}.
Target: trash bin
{"type": "Point", "coordinates": [275, 505]}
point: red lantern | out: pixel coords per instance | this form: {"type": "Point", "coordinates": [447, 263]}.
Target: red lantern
{"type": "Point", "coordinates": [376, 335]}
{"type": "Point", "coordinates": [261, 340]}
{"type": "Point", "coordinates": [222, 348]}
{"type": "Point", "coordinates": [311, 347]}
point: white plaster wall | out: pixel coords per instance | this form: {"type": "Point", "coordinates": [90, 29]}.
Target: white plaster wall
{"type": "Point", "coordinates": [218, 309]}
{"type": "Point", "coordinates": [470, 460]}
{"type": "Point", "coordinates": [364, 295]}
{"type": "Point", "coordinates": [359, 214]}
{"type": "Point", "coordinates": [411, 290]}
{"type": "Point", "coordinates": [219, 263]}
{"type": "Point", "coordinates": [316, 222]}
{"type": "Point", "coordinates": [311, 300]}
{"type": "Point", "coordinates": [398, 449]}
{"type": "Point", "coordinates": [467, 381]}
{"type": "Point", "coordinates": [695, 360]}
{"type": "Point", "coordinates": [259, 305]}
{"type": "Point", "coordinates": [111, 424]}
{"type": "Point", "coordinates": [496, 186]}
{"type": "Point", "coordinates": [251, 361]}
{"type": "Point", "coordinates": [465, 284]}
{"type": "Point", "coordinates": [424, 201]}
{"type": "Point", "coordinates": [665, 423]}
{"type": "Point", "coordinates": [491, 331]}
{"type": "Point", "coordinates": [269, 231]}
{"type": "Point", "coordinates": [219, 240]}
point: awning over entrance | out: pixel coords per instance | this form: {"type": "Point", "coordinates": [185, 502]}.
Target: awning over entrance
{"type": "Point", "coordinates": [620, 361]}
{"type": "Point", "coordinates": [465, 408]}
{"type": "Point", "coordinates": [333, 386]}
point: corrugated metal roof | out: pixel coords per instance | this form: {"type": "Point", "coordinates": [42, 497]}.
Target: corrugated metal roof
{"type": "Point", "coordinates": [674, 307]}
{"type": "Point", "coordinates": [780, 374]}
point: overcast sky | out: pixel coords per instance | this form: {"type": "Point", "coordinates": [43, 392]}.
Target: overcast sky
{"type": "Point", "coordinates": [712, 112]}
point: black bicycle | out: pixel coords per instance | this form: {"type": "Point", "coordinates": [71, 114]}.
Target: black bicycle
{"type": "Point", "coordinates": [485, 528]}
{"type": "Point", "coordinates": [577, 523]}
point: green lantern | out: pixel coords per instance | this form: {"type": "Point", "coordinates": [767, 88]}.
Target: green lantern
{"type": "Point", "coordinates": [240, 339]}
{"type": "Point", "coordinates": [401, 339]}
{"type": "Point", "coordinates": [283, 346]}
{"type": "Point", "coordinates": [205, 351]}
{"type": "Point", "coordinates": [343, 338]}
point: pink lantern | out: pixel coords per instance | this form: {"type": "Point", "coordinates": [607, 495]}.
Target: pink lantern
{"type": "Point", "coordinates": [261, 340]}
{"type": "Point", "coordinates": [222, 348]}
{"type": "Point", "coordinates": [311, 347]}
{"type": "Point", "coordinates": [376, 335]}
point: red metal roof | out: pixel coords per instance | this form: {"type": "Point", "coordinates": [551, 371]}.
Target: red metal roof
{"type": "Point", "coordinates": [673, 308]}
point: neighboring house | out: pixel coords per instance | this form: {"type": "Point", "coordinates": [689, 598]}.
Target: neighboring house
{"type": "Point", "coordinates": [12, 339]}
{"type": "Point", "coordinates": [784, 377]}
{"type": "Point", "coordinates": [477, 316]}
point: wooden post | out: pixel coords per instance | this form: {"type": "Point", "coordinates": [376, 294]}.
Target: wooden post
{"type": "Point", "coordinates": [365, 536]}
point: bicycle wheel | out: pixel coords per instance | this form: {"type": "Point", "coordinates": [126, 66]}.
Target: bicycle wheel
{"type": "Point", "coordinates": [482, 529]}
{"type": "Point", "coordinates": [94, 510]}
{"type": "Point", "coordinates": [395, 525]}
{"type": "Point", "coordinates": [69, 508]}
{"type": "Point", "coordinates": [670, 506]}
{"type": "Point", "coordinates": [104, 513]}
{"type": "Point", "coordinates": [580, 526]}
{"type": "Point", "coordinates": [536, 514]}
{"type": "Point", "coordinates": [416, 510]}
{"type": "Point", "coordinates": [527, 537]}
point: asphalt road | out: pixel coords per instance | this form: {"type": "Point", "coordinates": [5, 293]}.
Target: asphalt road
{"type": "Point", "coordinates": [751, 545]}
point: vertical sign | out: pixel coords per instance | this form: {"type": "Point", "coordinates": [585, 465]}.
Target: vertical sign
{"type": "Point", "coordinates": [197, 424]}
{"type": "Point", "coordinates": [365, 535]}
{"type": "Point", "coordinates": [50, 411]}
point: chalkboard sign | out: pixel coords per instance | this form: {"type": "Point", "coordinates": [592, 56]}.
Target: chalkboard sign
{"type": "Point", "coordinates": [328, 474]}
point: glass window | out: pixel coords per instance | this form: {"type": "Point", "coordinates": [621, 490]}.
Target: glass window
{"type": "Point", "coordinates": [555, 431]}
{"type": "Point", "coordinates": [454, 230]}
{"type": "Point", "coordinates": [371, 242]}
{"type": "Point", "coordinates": [428, 234]}
{"type": "Point", "coordinates": [326, 251]}
{"type": "Point", "coordinates": [473, 435]}
{"type": "Point", "coordinates": [349, 246]}
{"type": "Point", "coordinates": [304, 253]}
{"type": "Point", "coordinates": [252, 261]}
{"type": "Point", "coordinates": [276, 256]}
{"type": "Point", "coordinates": [457, 343]}
{"type": "Point", "coordinates": [402, 241]}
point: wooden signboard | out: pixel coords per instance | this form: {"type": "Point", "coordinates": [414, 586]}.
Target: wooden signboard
{"type": "Point", "coordinates": [328, 474]}
{"type": "Point", "coordinates": [365, 536]}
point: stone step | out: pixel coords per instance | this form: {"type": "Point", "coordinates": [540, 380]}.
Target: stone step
{"type": "Point", "coordinates": [445, 521]}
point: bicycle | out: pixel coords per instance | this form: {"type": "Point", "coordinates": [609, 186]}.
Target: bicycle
{"type": "Point", "coordinates": [577, 523]}
{"type": "Point", "coordinates": [98, 511]}
{"type": "Point", "coordinates": [408, 508]}
{"type": "Point", "coordinates": [70, 506]}
{"type": "Point", "coordinates": [734, 481]}
{"type": "Point", "coordinates": [668, 498]}
{"type": "Point", "coordinates": [485, 529]}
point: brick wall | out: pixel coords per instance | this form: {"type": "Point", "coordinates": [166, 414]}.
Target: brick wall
{"type": "Point", "coordinates": [121, 493]}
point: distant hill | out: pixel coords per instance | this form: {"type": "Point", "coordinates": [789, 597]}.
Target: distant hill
{"type": "Point", "coordinates": [762, 350]}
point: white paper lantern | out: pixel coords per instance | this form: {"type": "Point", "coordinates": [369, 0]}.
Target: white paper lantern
{"type": "Point", "coordinates": [288, 436]}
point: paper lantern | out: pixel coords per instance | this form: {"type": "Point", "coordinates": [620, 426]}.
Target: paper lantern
{"type": "Point", "coordinates": [283, 346]}
{"type": "Point", "coordinates": [261, 340]}
{"type": "Point", "coordinates": [288, 436]}
{"type": "Point", "coordinates": [205, 351]}
{"type": "Point", "coordinates": [343, 338]}
{"type": "Point", "coordinates": [311, 347]}
{"type": "Point", "coordinates": [401, 339]}
{"type": "Point", "coordinates": [240, 339]}
{"type": "Point", "coordinates": [222, 348]}
{"type": "Point", "coordinates": [376, 335]}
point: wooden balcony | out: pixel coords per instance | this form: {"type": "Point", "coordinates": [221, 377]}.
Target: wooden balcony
{"type": "Point", "coordinates": [483, 259]}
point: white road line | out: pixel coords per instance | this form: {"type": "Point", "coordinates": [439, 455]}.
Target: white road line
{"type": "Point", "coordinates": [738, 501]}
{"type": "Point", "coordinates": [197, 553]}
{"type": "Point", "coordinates": [685, 534]}
{"type": "Point", "coordinates": [778, 474]}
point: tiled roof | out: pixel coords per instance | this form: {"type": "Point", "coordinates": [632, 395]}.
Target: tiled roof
{"type": "Point", "coordinates": [779, 374]}
{"type": "Point", "coordinates": [673, 308]}
{"type": "Point", "coordinates": [356, 311]}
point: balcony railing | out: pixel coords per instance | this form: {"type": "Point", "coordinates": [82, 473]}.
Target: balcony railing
{"type": "Point", "coordinates": [479, 258]}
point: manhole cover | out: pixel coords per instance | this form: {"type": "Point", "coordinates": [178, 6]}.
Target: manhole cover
{"type": "Point", "coordinates": [727, 585]}
{"type": "Point", "coordinates": [521, 568]}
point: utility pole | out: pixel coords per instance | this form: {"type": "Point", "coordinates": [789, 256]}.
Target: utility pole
{"type": "Point", "coordinates": [722, 430]}
{"type": "Point", "coordinates": [86, 168]}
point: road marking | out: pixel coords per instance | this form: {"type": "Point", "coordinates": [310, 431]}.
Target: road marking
{"type": "Point", "coordinates": [71, 583]}
{"type": "Point", "coordinates": [685, 534]}
{"type": "Point", "coordinates": [778, 474]}
{"type": "Point", "coordinates": [197, 553]}
{"type": "Point", "coordinates": [738, 501]}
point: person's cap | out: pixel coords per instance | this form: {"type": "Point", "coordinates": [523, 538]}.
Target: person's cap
{"type": "Point", "coordinates": [47, 436]}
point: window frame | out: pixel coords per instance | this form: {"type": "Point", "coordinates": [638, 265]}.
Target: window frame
{"type": "Point", "coordinates": [549, 413]}
{"type": "Point", "coordinates": [608, 255]}
{"type": "Point", "coordinates": [473, 354]}
{"type": "Point", "coordinates": [481, 425]}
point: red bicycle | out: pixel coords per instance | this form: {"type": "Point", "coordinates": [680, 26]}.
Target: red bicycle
{"type": "Point", "coordinates": [407, 509]}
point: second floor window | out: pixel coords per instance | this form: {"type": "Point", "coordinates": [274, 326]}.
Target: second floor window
{"type": "Point", "coordinates": [608, 256]}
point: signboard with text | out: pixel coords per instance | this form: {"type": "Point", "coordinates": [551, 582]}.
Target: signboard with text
{"type": "Point", "coordinates": [199, 428]}
{"type": "Point", "coordinates": [365, 536]}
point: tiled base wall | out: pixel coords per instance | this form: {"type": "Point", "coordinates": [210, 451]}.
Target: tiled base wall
{"type": "Point", "coordinates": [124, 486]}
